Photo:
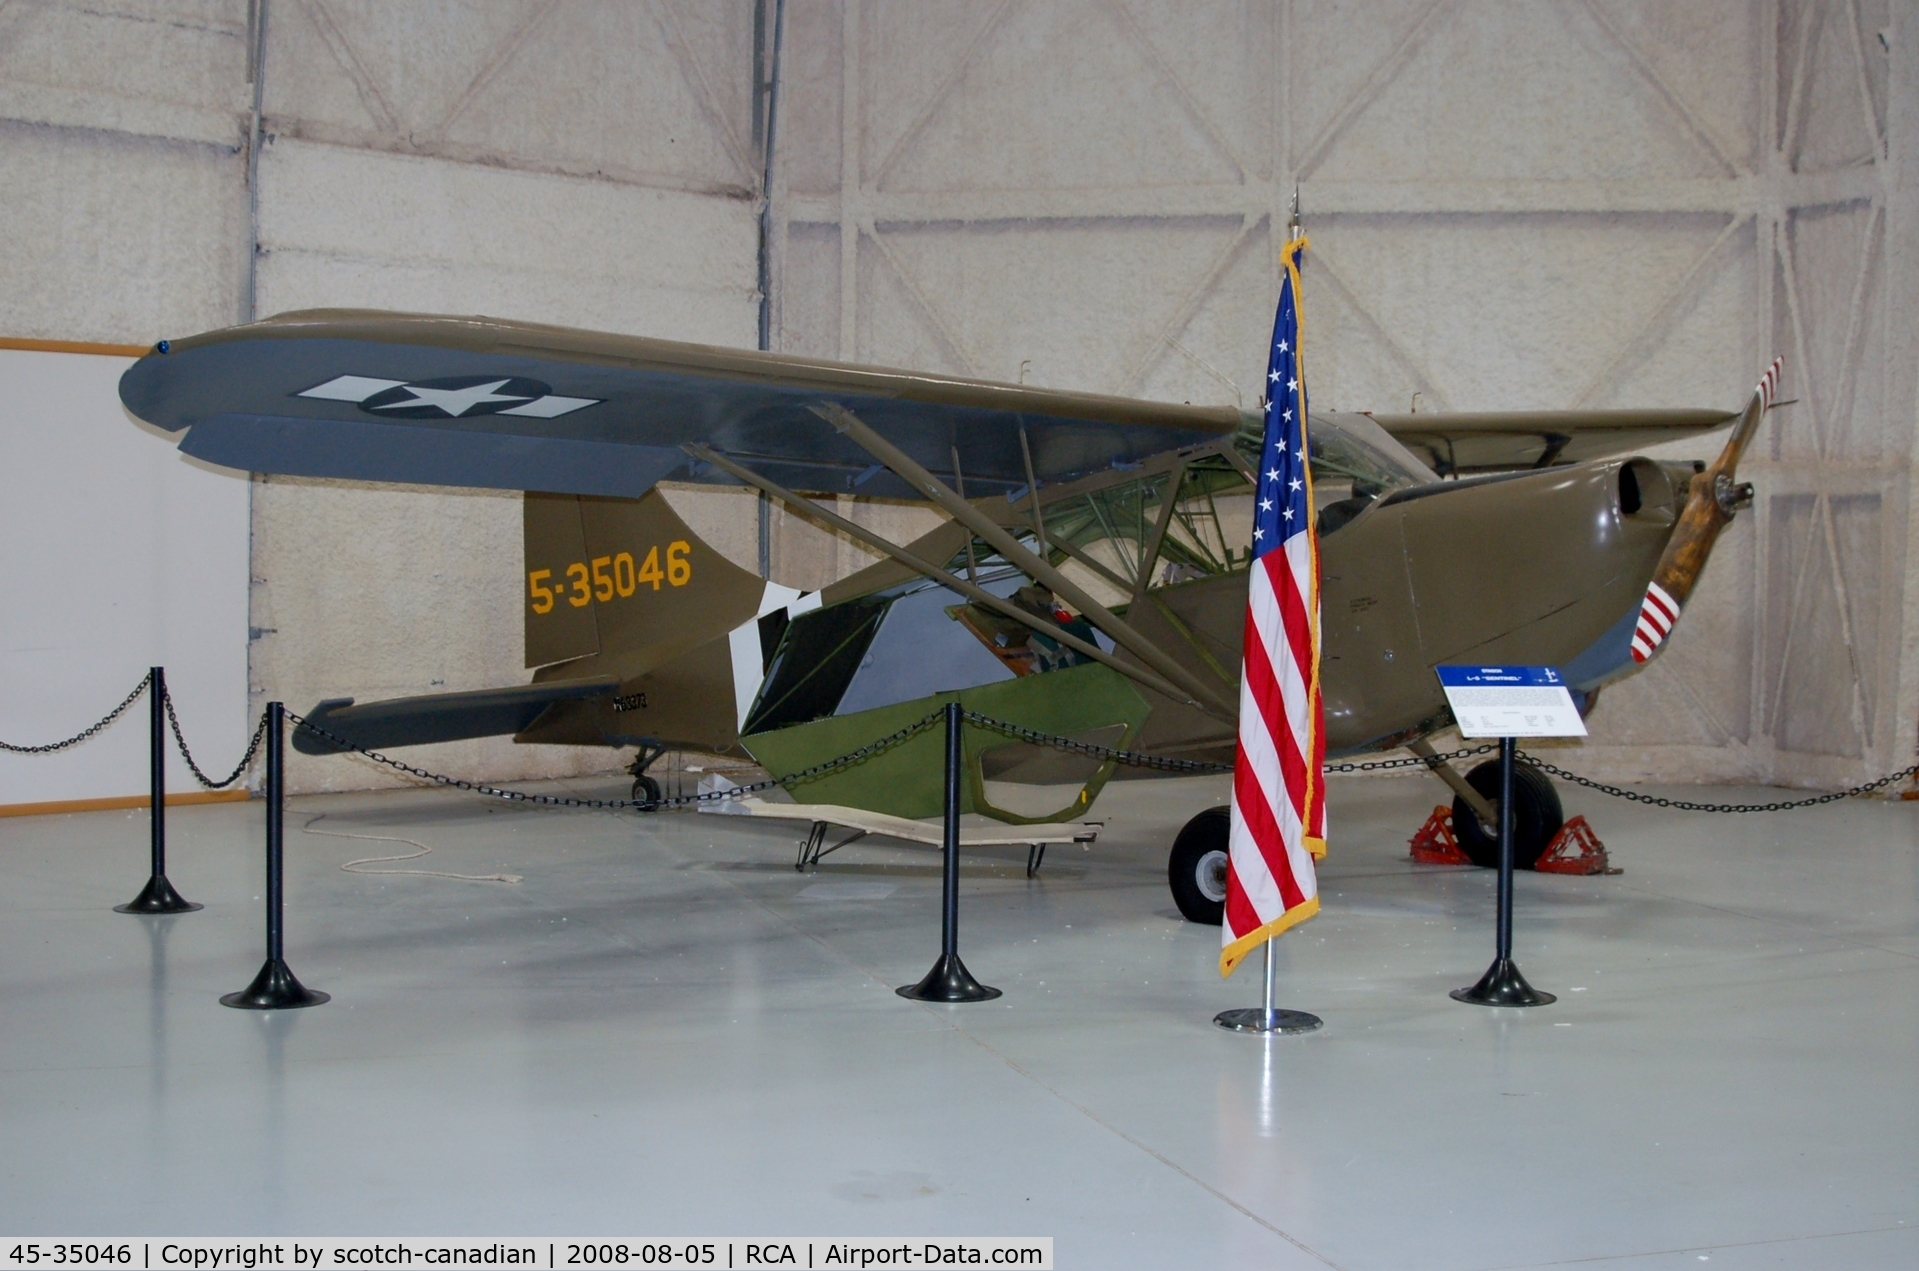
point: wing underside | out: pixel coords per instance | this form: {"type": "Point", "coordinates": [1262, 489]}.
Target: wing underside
{"type": "Point", "coordinates": [480, 402]}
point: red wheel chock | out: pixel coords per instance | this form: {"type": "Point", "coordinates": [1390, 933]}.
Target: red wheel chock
{"type": "Point", "coordinates": [1434, 844]}
{"type": "Point", "coordinates": [1574, 850]}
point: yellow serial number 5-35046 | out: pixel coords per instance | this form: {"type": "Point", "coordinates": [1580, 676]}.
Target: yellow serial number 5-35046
{"type": "Point", "coordinates": [605, 577]}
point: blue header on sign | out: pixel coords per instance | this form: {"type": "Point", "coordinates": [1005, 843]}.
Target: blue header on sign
{"type": "Point", "coordinates": [1499, 676]}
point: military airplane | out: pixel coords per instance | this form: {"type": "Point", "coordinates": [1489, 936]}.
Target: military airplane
{"type": "Point", "coordinates": [1089, 580]}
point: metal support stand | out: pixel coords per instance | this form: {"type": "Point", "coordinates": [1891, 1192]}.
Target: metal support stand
{"type": "Point", "coordinates": [1503, 985]}
{"type": "Point", "coordinates": [1268, 1018]}
{"type": "Point", "coordinates": [158, 896]}
{"type": "Point", "coordinates": [275, 988]}
{"type": "Point", "coordinates": [949, 980]}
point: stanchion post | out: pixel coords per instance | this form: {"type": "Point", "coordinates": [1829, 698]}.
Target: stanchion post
{"type": "Point", "coordinates": [949, 981]}
{"type": "Point", "coordinates": [275, 988]}
{"type": "Point", "coordinates": [1503, 985]}
{"type": "Point", "coordinates": [158, 896]}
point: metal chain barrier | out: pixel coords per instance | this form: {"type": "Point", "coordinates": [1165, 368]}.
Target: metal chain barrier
{"type": "Point", "coordinates": [1164, 763]}
{"type": "Point", "coordinates": [86, 734]}
{"type": "Point", "coordinates": [253, 747]}
{"type": "Point", "coordinates": [1684, 805]}
{"type": "Point", "coordinates": [1131, 758]}
{"type": "Point", "coordinates": [846, 760]}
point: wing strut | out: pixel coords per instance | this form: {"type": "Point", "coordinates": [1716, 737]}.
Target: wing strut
{"type": "Point", "coordinates": [1121, 632]}
{"type": "Point", "coordinates": [919, 564]}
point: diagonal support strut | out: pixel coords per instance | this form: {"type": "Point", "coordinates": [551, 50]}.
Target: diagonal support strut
{"type": "Point", "coordinates": [1121, 632]}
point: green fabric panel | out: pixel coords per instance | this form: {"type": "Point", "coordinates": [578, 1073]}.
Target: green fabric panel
{"type": "Point", "coordinates": [908, 780]}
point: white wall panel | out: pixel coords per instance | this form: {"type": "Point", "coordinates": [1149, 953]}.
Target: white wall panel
{"type": "Point", "coordinates": [175, 71]}
{"type": "Point", "coordinates": [369, 229]}
{"type": "Point", "coordinates": [120, 555]}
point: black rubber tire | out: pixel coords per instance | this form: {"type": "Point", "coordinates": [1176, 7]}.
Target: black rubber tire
{"type": "Point", "coordinates": [646, 790]}
{"type": "Point", "coordinates": [1537, 815]}
{"type": "Point", "coordinates": [1196, 868]}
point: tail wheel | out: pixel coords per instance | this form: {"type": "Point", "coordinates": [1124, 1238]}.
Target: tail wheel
{"type": "Point", "coordinates": [645, 790]}
{"type": "Point", "coordinates": [1196, 870]}
{"type": "Point", "coordinates": [1537, 815]}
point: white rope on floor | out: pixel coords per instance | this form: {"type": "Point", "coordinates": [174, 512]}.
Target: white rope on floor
{"type": "Point", "coordinates": [353, 867]}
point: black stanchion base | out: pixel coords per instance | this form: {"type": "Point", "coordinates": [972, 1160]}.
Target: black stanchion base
{"type": "Point", "coordinates": [275, 989]}
{"type": "Point", "coordinates": [1256, 1019]}
{"type": "Point", "coordinates": [1503, 985]}
{"type": "Point", "coordinates": [158, 897]}
{"type": "Point", "coordinates": [949, 981]}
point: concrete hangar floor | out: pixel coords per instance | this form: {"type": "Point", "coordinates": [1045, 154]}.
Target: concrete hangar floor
{"type": "Point", "coordinates": [664, 1030]}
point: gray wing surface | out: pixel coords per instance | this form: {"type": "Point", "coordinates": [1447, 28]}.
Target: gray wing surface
{"type": "Point", "coordinates": [1499, 441]}
{"type": "Point", "coordinates": [520, 406]}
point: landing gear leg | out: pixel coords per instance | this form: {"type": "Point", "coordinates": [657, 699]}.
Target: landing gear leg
{"type": "Point", "coordinates": [646, 791]}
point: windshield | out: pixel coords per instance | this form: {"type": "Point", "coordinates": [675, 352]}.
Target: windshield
{"type": "Point", "coordinates": [1354, 461]}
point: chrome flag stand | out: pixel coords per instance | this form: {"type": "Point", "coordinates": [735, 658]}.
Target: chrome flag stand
{"type": "Point", "coordinates": [1267, 1018]}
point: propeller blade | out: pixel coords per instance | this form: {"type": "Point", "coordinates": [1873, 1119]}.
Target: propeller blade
{"type": "Point", "coordinates": [1711, 501]}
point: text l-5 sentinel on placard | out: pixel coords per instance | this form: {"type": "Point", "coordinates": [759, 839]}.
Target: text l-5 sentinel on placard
{"type": "Point", "coordinates": [1510, 701]}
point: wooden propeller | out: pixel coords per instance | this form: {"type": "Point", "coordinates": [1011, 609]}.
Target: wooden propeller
{"type": "Point", "coordinates": [1712, 499]}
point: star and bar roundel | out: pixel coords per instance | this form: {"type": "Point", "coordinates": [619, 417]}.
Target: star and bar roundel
{"type": "Point", "coordinates": [450, 398]}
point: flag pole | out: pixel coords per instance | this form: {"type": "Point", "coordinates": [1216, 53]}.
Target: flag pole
{"type": "Point", "coordinates": [1268, 1018]}
{"type": "Point", "coordinates": [1285, 515]}
{"type": "Point", "coordinates": [1272, 1010]}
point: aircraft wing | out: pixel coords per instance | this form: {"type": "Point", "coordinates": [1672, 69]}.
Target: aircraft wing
{"type": "Point", "coordinates": [521, 406]}
{"type": "Point", "coordinates": [1498, 441]}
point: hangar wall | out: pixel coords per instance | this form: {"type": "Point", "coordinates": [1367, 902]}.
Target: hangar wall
{"type": "Point", "coordinates": [1558, 204]}
{"type": "Point", "coordinates": [579, 163]}
{"type": "Point", "coordinates": [1573, 202]}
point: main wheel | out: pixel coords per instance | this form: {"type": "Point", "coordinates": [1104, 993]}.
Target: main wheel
{"type": "Point", "coordinates": [645, 790]}
{"type": "Point", "coordinates": [1196, 869]}
{"type": "Point", "coordinates": [1537, 815]}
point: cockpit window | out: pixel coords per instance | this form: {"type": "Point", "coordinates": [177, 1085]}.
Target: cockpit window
{"type": "Point", "coordinates": [1104, 539]}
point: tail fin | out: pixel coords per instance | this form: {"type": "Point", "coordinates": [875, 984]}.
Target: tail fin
{"type": "Point", "coordinates": [626, 579]}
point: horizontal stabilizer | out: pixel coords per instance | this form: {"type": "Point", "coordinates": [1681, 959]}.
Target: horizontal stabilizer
{"type": "Point", "coordinates": [416, 721]}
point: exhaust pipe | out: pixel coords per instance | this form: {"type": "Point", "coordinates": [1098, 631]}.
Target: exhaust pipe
{"type": "Point", "coordinates": [1714, 496]}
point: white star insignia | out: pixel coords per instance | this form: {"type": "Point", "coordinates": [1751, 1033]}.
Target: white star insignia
{"type": "Point", "coordinates": [1265, 505]}
{"type": "Point", "coordinates": [1295, 484]}
{"type": "Point", "coordinates": [1272, 474]}
{"type": "Point", "coordinates": [1273, 378]}
{"type": "Point", "coordinates": [1282, 447]}
{"type": "Point", "coordinates": [1287, 416]}
{"type": "Point", "coordinates": [1258, 533]}
{"type": "Point", "coordinates": [1292, 386]}
{"type": "Point", "coordinates": [1281, 346]}
{"type": "Point", "coordinates": [455, 401]}
{"type": "Point", "coordinates": [1289, 514]}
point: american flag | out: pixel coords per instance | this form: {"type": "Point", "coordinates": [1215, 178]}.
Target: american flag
{"type": "Point", "coordinates": [1279, 796]}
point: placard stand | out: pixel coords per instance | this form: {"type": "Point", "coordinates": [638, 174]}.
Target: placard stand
{"type": "Point", "coordinates": [1503, 985]}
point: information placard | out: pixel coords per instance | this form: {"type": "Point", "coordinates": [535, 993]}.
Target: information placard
{"type": "Point", "coordinates": [1510, 701]}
